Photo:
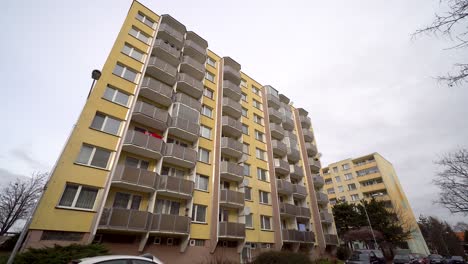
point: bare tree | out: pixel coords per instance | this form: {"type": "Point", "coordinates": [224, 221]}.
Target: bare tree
{"type": "Point", "coordinates": [18, 198]}
{"type": "Point", "coordinates": [453, 181]}
{"type": "Point", "coordinates": [447, 25]}
{"type": "Point", "coordinates": [460, 227]}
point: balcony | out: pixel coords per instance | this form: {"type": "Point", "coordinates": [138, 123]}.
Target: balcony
{"type": "Point", "coordinates": [293, 154]}
{"type": "Point", "coordinates": [288, 122]}
{"type": "Point", "coordinates": [326, 217]}
{"type": "Point", "coordinates": [195, 47]}
{"type": "Point", "coordinates": [331, 239]}
{"type": "Point", "coordinates": [232, 108]}
{"type": "Point", "coordinates": [318, 181]}
{"type": "Point", "coordinates": [192, 67]}
{"type": "Point", "coordinates": [297, 236]}
{"type": "Point", "coordinates": [119, 219]}
{"type": "Point", "coordinates": [308, 135]}
{"type": "Point", "coordinates": [134, 179]}
{"type": "Point", "coordinates": [291, 136]}
{"type": "Point", "coordinates": [189, 85]}
{"type": "Point", "coordinates": [299, 191]}
{"type": "Point", "coordinates": [275, 115]}
{"type": "Point", "coordinates": [231, 90]}
{"type": "Point", "coordinates": [284, 187]}
{"type": "Point", "coordinates": [170, 224]}
{"type": "Point", "coordinates": [273, 101]}
{"type": "Point", "coordinates": [230, 230]}
{"type": "Point", "coordinates": [144, 145]}
{"type": "Point", "coordinates": [288, 210]}
{"type": "Point", "coordinates": [322, 198]}
{"type": "Point", "coordinates": [276, 131]}
{"type": "Point", "coordinates": [303, 212]}
{"type": "Point", "coordinates": [183, 128]}
{"type": "Point", "coordinates": [314, 165]}
{"type": "Point", "coordinates": [188, 101]}
{"type": "Point", "coordinates": [232, 199]}
{"type": "Point", "coordinates": [232, 171]}
{"type": "Point", "coordinates": [180, 156]}
{"type": "Point", "coordinates": [176, 187]}
{"type": "Point", "coordinates": [171, 30]}
{"type": "Point", "coordinates": [156, 91]}
{"type": "Point", "coordinates": [279, 148]}
{"type": "Point", "coordinates": [231, 70]}
{"type": "Point", "coordinates": [305, 121]}
{"type": "Point", "coordinates": [231, 147]}
{"type": "Point", "coordinates": [151, 116]}
{"type": "Point", "coordinates": [231, 127]}
{"type": "Point", "coordinates": [166, 52]}
{"type": "Point", "coordinates": [281, 166]}
{"type": "Point", "coordinates": [311, 149]}
{"type": "Point", "coordinates": [161, 70]}
{"type": "Point", "coordinates": [296, 172]}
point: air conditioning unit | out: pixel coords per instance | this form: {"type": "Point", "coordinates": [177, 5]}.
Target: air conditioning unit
{"type": "Point", "coordinates": [192, 242]}
{"type": "Point", "coordinates": [170, 241]}
{"type": "Point", "coordinates": [157, 241]}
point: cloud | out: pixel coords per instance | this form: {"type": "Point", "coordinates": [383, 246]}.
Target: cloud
{"type": "Point", "coordinates": [25, 156]}
{"type": "Point", "coordinates": [7, 176]}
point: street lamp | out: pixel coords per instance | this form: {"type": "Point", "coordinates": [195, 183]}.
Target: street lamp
{"type": "Point", "coordinates": [368, 219]}
{"type": "Point", "coordinates": [95, 75]}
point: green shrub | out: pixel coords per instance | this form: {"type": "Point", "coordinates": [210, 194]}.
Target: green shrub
{"type": "Point", "coordinates": [343, 253]}
{"type": "Point", "coordinates": [59, 254]}
{"type": "Point", "coordinates": [282, 257]}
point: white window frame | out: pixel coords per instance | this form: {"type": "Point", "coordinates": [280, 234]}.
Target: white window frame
{"type": "Point", "coordinates": [206, 129]}
{"type": "Point", "coordinates": [262, 222]}
{"type": "Point", "coordinates": [208, 93]}
{"type": "Point", "coordinates": [106, 118]}
{"type": "Point", "coordinates": [340, 189]}
{"type": "Point", "coordinates": [260, 136]}
{"type": "Point", "coordinates": [246, 165]}
{"type": "Point", "coordinates": [260, 154]}
{"type": "Point", "coordinates": [195, 210]}
{"type": "Point", "coordinates": [115, 93]}
{"type": "Point", "coordinates": [348, 178]}
{"type": "Point", "coordinates": [261, 197]}
{"type": "Point", "coordinates": [210, 61]}
{"type": "Point", "coordinates": [77, 195]}
{"type": "Point", "coordinates": [244, 97]}
{"type": "Point", "coordinates": [257, 104]}
{"type": "Point", "coordinates": [259, 174]}
{"type": "Point", "coordinates": [126, 69]}
{"type": "Point", "coordinates": [256, 90]}
{"type": "Point", "coordinates": [243, 83]}
{"type": "Point", "coordinates": [246, 111]}
{"type": "Point", "coordinates": [144, 19]}
{"type": "Point", "coordinates": [352, 184]}
{"type": "Point", "coordinates": [258, 119]}
{"type": "Point", "coordinates": [132, 51]}
{"type": "Point", "coordinates": [250, 216]}
{"type": "Point", "coordinates": [209, 76]}
{"type": "Point", "coordinates": [246, 127]}
{"type": "Point", "coordinates": [338, 179]}
{"type": "Point", "coordinates": [197, 182]}
{"type": "Point", "coordinates": [140, 33]}
{"type": "Point", "coordinates": [130, 200]}
{"type": "Point", "coordinates": [353, 197]}
{"type": "Point", "coordinates": [200, 151]}
{"type": "Point", "coordinates": [205, 107]}
{"type": "Point", "coordinates": [91, 156]}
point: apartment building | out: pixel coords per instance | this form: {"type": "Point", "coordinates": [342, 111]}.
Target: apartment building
{"type": "Point", "coordinates": [180, 154]}
{"type": "Point", "coordinates": [372, 176]}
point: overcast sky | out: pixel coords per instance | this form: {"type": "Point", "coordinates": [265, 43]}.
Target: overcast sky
{"type": "Point", "coordinates": [367, 85]}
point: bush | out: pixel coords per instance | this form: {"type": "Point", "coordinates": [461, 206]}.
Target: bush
{"type": "Point", "coordinates": [343, 253]}
{"type": "Point", "coordinates": [9, 244]}
{"type": "Point", "coordinates": [59, 254]}
{"type": "Point", "coordinates": [282, 257]}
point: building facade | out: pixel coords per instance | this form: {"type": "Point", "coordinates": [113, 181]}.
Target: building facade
{"type": "Point", "coordinates": [372, 176]}
{"type": "Point", "coordinates": [180, 154]}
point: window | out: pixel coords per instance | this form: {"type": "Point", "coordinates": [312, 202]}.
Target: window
{"type": "Point", "coordinates": [106, 124]}
{"type": "Point", "coordinates": [263, 197]}
{"type": "Point", "coordinates": [245, 129]}
{"type": "Point", "coordinates": [246, 148]}
{"type": "Point", "coordinates": [335, 169]}
{"type": "Point", "coordinates": [257, 104]}
{"type": "Point", "coordinates": [247, 193]}
{"type": "Point", "coordinates": [171, 171]}
{"type": "Point", "coordinates": [340, 189]}
{"type": "Point", "coordinates": [243, 83]}
{"type": "Point", "coordinates": [210, 61]}
{"type": "Point", "coordinates": [337, 179]}
{"type": "Point", "coordinates": [116, 96]}
{"type": "Point", "coordinates": [125, 72]}
{"type": "Point", "coordinates": [258, 119]}
{"type": "Point", "coordinates": [351, 187]}
{"type": "Point", "coordinates": [248, 221]}
{"type": "Point", "coordinates": [255, 90]}
{"type": "Point", "coordinates": [345, 166]}
{"type": "Point", "coordinates": [332, 201]}
{"type": "Point", "coordinates": [205, 132]}
{"type": "Point", "coordinates": [342, 198]}
{"type": "Point", "coordinates": [203, 155]}
{"type": "Point", "coordinates": [139, 35]}
{"type": "Point", "coordinates": [328, 181]}
{"type": "Point", "coordinates": [244, 97]}
{"type": "Point", "coordinates": [262, 174]}
{"type": "Point", "coordinates": [78, 196]}
{"type": "Point", "coordinates": [244, 112]}
{"type": "Point", "coordinates": [348, 176]}
{"type": "Point", "coordinates": [201, 182]}
{"type": "Point", "coordinates": [330, 191]}
{"type": "Point", "coordinates": [265, 222]}
{"type": "Point", "coordinates": [246, 169]}
{"type": "Point", "coordinates": [62, 236]}
{"type": "Point", "coordinates": [132, 52]}
{"type": "Point", "coordinates": [126, 201]}
{"type": "Point", "coordinates": [209, 76]}
{"type": "Point", "coordinates": [354, 197]}
{"type": "Point", "coordinates": [207, 111]}
{"type": "Point", "coordinates": [199, 242]}
{"type": "Point", "coordinates": [207, 92]}
{"type": "Point", "coordinates": [167, 207]}
{"type": "Point", "coordinates": [199, 213]}
{"type": "Point", "coordinates": [145, 20]}
{"type": "Point", "coordinates": [136, 163]}
{"type": "Point", "coordinates": [260, 154]}
{"type": "Point", "coordinates": [367, 171]}
{"type": "Point", "coordinates": [259, 136]}
{"type": "Point", "coordinates": [93, 156]}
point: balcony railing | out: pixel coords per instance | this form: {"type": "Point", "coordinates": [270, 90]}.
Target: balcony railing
{"type": "Point", "coordinates": [134, 178]}
{"type": "Point", "coordinates": [273, 101]}
{"type": "Point", "coordinates": [284, 187]}
{"type": "Point", "coordinates": [231, 90]}
{"type": "Point", "coordinates": [296, 172]}
{"type": "Point", "coordinates": [170, 34]}
{"type": "Point", "coordinates": [276, 131]}
{"type": "Point", "coordinates": [290, 135]}
{"type": "Point", "coordinates": [192, 67]}
{"type": "Point", "coordinates": [231, 127]}
{"type": "Point", "coordinates": [232, 230]}
{"type": "Point", "coordinates": [281, 166]}
{"type": "Point", "coordinates": [195, 47]}
{"type": "Point", "coordinates": [187, 100]}
{"type": "Point", "coordinates": [288, 123]}
{"type": "Point", "coordinates": [326, 217]}
{"type": "Point", "coordinates": [170, 224]}
{"type": "Point", "coordinates": [161, 70]}
{"type": "Point", "coordinates": [166, 52]}
{"type": "Point", "coordinates": [314, 165]}
{"type": "Point", "coordinates": [231, 108]}
{"type": "Point", "coordinates": [279, 148]}
{"type": "Point", "coordinates": [308, 135]}
{"type": "Point", "coordinates": [232, 171]}
{"type": "Point", "coordinates": [275, 115]}
{"type": "Point", "coordinates": [180, 156]}
{"type": "Point", "coordinates": [331, 239]}
{"type": "Point", "coordinates": [318, 181]}
{"type": "Point", "coordinates": [289, 210]}
{"type": "Point", "coordinates": [156, 91]}
{"type": "Point", "coordinates": [231, 74]}
{"type": "Point", "coordinates": [189, 85]}
{"type": "Point", "coordinates": [124, 220]}
{"type": "Point", "coordinates": [231, 147]}
{"type": "Point", "coordinates": [311, 149]}
{"type": "Point", "coordinates": [184, 128]}
{"type": "Point", "coordinates": [290, 235]}
{"type": "Point", "coordinates": [230, 198]}
{"type": "Point", "coordinates": [299, 191]}
{"type": "Point", "coordinates": [150, 115]}
{"type": "Point", "coordinates": [175, 186]}
{"type": "Point", "coordinates": [321, 198]}
{"type": "Point", "coordinates": [144, 145]}
{"type": "Point", "coordinates": [303, 212]}
{"type": "Point", "coordinates": [293, 154]}
{"type": "Point", "coordinates": [305, 121]}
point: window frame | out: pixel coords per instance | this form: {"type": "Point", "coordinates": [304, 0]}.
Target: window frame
{"type": "Point", "coordinates": [209, 129]}
{"type": "Point", "coordinates": [208, 93]}
{"type": "Point", "coordinates": [211, 75]}
{"type": "Point", "coordinates": [106, 118]}
{"type": "Point", "coordinates": [126, 69]}
{"type": "Point", "coordinates": [204, 106]}
{"type": "Point", "coordinates": [250, 216]}
{"type": "Point", "coordinates": [262, 135]}
{"type": "Point", "coordinates": [195, 211]}
{"type": "Point", "coordinates": [132, 51]}
{"type": "Point", "coordinates": [261, 196]}
{"type": "Point", "coordinates": [262, 152]}
{"type": "Point", "coordinates": [264, 172]}
{"type": "Point", "coordinates": [197, 182]}
{"type": "Point", "coordinates": [116, 91]}
{"type": "Point", "coordinates": [262, 222]}
{"type": "Point", "coordinates": [138, 33]}
{"type": "Point", "coordinates": [200, 153]}
{"type": "Point", "coordinates": [144, 19]}
{"type": "Point", "coordinates": [246, 165]}
{"type": "Point", "coordinates": [209, 59]}
{"type": "Point", "coordinates": [75, 198]}
{"type": "Point", "coordinates": [91, 157]}
{"type": "Point", "coordinates": [248, 189]}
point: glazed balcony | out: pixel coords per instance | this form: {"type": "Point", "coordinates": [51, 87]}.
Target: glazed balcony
{"type": "Point", "coordinates": [296, 236]}
{"type": "Point", "coordinates": [189, 85]}
{"type": "Point", "coordinates": [303, 212]}
{"type": "Point", "coordinates": [284, 187]}
{"type": "Point", "coordinates": [119, 219]}
{"type": "Point", "coordinates": [311, 149]}
{"type": "Point", "coordinates": [326, 217]}
{"type": "Point", "coordinates": [281, 166]}
{"type": "Point", "coordinates": [276, 131]}
{"type": "Point", "coordinates": [144, 145]}
{"type": "Point", "coordinates": [231, 90]}
{"type": "Point", "coordinates": [135, 179]}
{"type": "Point", "coordinates": [322, 198]}
{"type": "Point", "coordinates": [314, 165]}
{"type": "Point", "coordinates": [232, 171]}
{"type": "Point", "coordinates": [183, 128]}
{"type": "Point", "coordinates": [275, 115]}
{"type": "Point", "coordinates": [231, 199]}
{"type": "Point", "coordinates": [150, 115]}
{"type": "Point", "coordinates": [288, 122]}
{"type": "Point", "coordinates": [287, 210]}
{"type": "Point", "coordinates": [231, 127]}
{"type": "Point", "coordinates": [156, 91]}
{"type": "Point", "coordinates": [296, 172]}
{"type": "Point", "coordinates": [279, 148]}
{"type": "Point", "coordinates": [180, 156]}
{"type": "Point", "coordinates": [318, 181]}
{"type": "Point", "coordinates": [170, 224]}
{"type": "Point", "coordinates": [293, 154]}
{"type": "Point", "coordinates": [161, 70]}
{"type": "Point", "coordinates": [188, 101]}
{"type": "Point", "coordinates": [176, 187]}
{"type": "Point", "coordinates": [192, 67]}
{"type": "Point", "coordinates": [235, 231]}
{"type": "Point", "coordinates": [308, 135]}
{"type": "Point", "coordinates": [232, 108]}
{"type": "Point", "coordinates": [231, 147]}
{"type": "Point", "coordinates": [273, 101]}
{"type": "Point", "coordinates": [171, 30]}
{"type": "Point", "coordinates": [305, 121]}
{"type": "Point", "coordinates": [331, 239]}
{"type": "Point", "coordinates": [166, 52]}
{"type": "Point", "coordinates": [195, 47]}
{"type": "Point", "coordinates": [299, 191]}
